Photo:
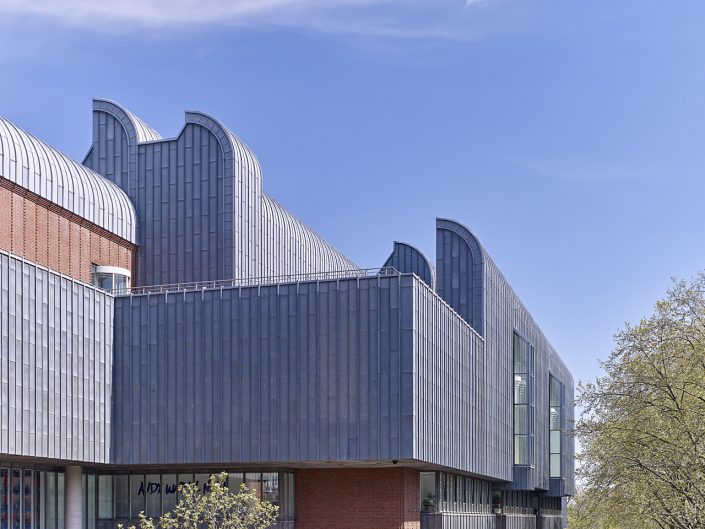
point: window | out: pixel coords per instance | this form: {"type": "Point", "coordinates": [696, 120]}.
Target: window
{"type": "Point", "coordinates": [427, 491]}
{"type": "Point", "coordinates": [523, 400]}
{"type": "Point", "coordinates": [555, 412]}
{"type": "Point", "coordinates": [105, 497]}
{"type": "Point", "coordinates": [111, 277]}
{"type": "Point", "coordinates": [124, 495]}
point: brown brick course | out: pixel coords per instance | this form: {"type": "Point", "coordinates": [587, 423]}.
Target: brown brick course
{"type": "Point", "coordinates": [40, 231]}
{"type": "Point", "coordinates": [371, 498]}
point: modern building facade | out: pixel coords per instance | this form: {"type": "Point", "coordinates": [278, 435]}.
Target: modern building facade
{"type": "Point", "coordinates": [162, 318]}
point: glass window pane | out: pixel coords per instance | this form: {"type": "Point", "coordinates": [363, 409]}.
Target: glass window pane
{"type": "Point", "coordinates": [520, 360]}
{"type": "Point", "coordinates": [137, 490]}
{"type": "Point", "coordinates": [555, 442]}
{"type": "Point", "coordinates": [451, 492]}
{"type": "Point", "coordinates": [555, 391]}
{"type": "Point", "coordinates": [28, 497]}
{"type": "Point", "coordinates": [183, 480]}
{"type": "Point", "coordinates": [105, 281]}
{"type": "Point", "coordinates": [105, 496]}
{"type": "Point", "coordinates": [15, 496]}
{"type": "Point", "coordinates": [427, 491]}
{"type": "Point", "coordinates": [555, 466]}
{"type": "Point", "coordinates": [554, 418]}
{"type": "Point", "coordinates": [50, 509]}
{"type": "Point", "coordinates": [169, 492]}
{"type": "Point", "coordinates": [234, 482]}
{"type": "Point", "coordinates": [520, 419]}
{"type": "Point", "coordinates": [60, 500]}
{"type": "Point", "coordinates": [254, 482]}
{"type": "Point", "coordinates": [90, 500]}
{"type": "Point", "coordinates": [521, 450]}
{"type": "Point", "coordinates": [520, 389]}
{"type": "Point", "coordinates": [153, 493]}
{"type": "Point", "coordinates": [270, 487]}
{"type": "Point", "coordinates": [291, 493]}
{"type": "Point", "coordinates": [122, 496]}
{"type": "Point", "coordinates": [202, 481]}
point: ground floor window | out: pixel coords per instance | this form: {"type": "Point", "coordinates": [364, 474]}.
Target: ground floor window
{"type": "Point", "coordinates": [116, 496]}
{"type": "Point", "coordinates": [445, 492]}
{"type": "Point", "coordinates": [34, 499]}
{"type": "Point", "coordinates": [31, 499]}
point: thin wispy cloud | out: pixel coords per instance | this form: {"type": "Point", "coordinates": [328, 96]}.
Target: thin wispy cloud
{"type": "Point", "coordinates": [387, 18]}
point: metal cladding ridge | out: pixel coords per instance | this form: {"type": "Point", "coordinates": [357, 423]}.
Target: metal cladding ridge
{"type": "Point", "coordinates": [34, 165]}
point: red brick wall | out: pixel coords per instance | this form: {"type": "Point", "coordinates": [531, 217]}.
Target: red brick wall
{"type": "Point", "coordinates": [351, 498]}
{"type": "Point", "coordinates": [53, 237]}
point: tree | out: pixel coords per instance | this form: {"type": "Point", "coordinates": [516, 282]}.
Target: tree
{"type": "Point", "coordinates": [642, 429]}
{"type": "Point", "coordinates": [216, 508]}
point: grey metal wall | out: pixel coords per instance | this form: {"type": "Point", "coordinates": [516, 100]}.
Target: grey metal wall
{"type": "Point", "coordinates": [34, 165]}
{"type": "Point", "coordinates": [449, 407]}
{"type": "Point", "coordinates": [201, 211]}
{"type": "Point", "coordinates": [318, 371]}
{"type": "Point", "coordinates": [408, 259]}
{"type": "Point", "coordinates": [55, 364]}
{"type": "Point", "coordinates": [467, 278]}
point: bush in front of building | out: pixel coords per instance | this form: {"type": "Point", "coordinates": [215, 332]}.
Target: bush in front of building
{"type": "Point", "coordinates": [216, 508]}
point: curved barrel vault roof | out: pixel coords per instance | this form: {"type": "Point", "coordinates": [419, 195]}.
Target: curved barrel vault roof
{"type": "Point", "coordinates": [34, 165]}
{"type": "Point", "coordinates": [290, 246]}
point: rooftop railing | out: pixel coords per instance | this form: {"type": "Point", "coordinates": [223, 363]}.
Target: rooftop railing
{"type": "Point", "coordinates": [258, 281]}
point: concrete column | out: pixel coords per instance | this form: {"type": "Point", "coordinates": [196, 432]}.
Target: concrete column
{"type": "Point", "coordinates": [73, 497]}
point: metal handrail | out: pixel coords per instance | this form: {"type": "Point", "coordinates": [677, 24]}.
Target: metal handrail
{"type": "Point", "coordinates": [257, 281]}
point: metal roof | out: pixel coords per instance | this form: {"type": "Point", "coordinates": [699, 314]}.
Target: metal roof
{"type": "Point", "coordinates": [136, 128]}
{"type": "Point", "coordinates": [34, 165]}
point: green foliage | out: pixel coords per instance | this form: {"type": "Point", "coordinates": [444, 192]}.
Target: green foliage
{"type": "Point", "coordinates": [643, 425]}
{"type": "Point", "coordinates": [218, 508]}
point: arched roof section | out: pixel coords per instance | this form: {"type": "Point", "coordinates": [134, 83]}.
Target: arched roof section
{"type": "Point", "coordinates": [243, 187]}
{"type": "Point", "coordinates": [460, 271]}
{"type": "Point", "coordinates": [292, 247]}
{"type": "Point", "coordinates": [137, 130]}
{"type": "Point", "coordinates": [409, 259]}
{"type": "Point", "coordinates": [34, 165]}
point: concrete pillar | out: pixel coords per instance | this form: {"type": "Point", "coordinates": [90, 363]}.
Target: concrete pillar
{"type": "Point", "coordinates": [73, 497]}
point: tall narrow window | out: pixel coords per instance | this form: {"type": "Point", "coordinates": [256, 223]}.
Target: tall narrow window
{"type": "Point", "coordinates": [555, 412]}
{"type": "Point", "coordinates": [522, 400]}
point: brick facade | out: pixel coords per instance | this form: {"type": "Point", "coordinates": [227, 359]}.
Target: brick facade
{"type": "Point", "coordinates": [352, 498]}
{"type": "Point", "coordinates": [33, 228]}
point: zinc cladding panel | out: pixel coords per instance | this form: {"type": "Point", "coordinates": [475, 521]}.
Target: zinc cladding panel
{"type": "Point", "coordinates": [55, 364]}
{"type": "Point", "coordinates": [407, 259]}
{"type": "Point", "coordinates": [298, 372]}
{"type": "Point", "coordinates": [450, 420]}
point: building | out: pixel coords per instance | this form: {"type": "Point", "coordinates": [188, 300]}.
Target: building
{"type": "Point", "coordinates": [162, 318]}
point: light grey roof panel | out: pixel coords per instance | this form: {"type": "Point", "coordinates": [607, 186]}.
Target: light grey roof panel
{"type": "Point", "coordinates": [34, 165]}
{"type": "Point", "coordinates": [289, 246]}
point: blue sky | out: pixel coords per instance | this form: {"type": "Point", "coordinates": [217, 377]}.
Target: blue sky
{"type": "Point", "coordinates": [567, 135]}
